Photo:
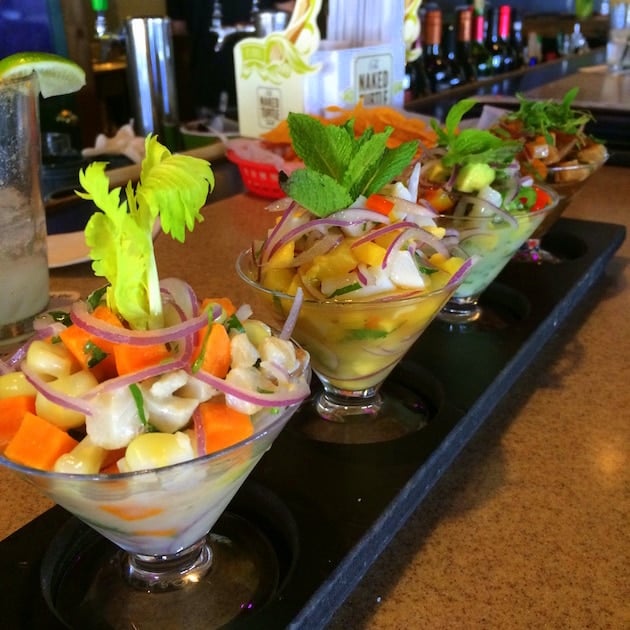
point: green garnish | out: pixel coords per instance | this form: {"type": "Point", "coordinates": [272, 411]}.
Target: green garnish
{"type": "Point", "coordinates": [355, 286]}
{"type": "Point", "coordinates": [95, 354]}
{"type": "Point", "coordinates": [94, 299]}
{"type": "Point", "coordinates": [472, 146]}
{"type": "Point", "coordinates": [338, 166]}
{"type": "Point", "coordinates": [171, 187]}
{"type": "Point", "coordinates": [233, 324]}
{"type": "Point", "coordinates": [62, 317]}
{"type": "Point", "coordinates": [540, 117]}
{"type": "Point", "coordinates": [138, 399]}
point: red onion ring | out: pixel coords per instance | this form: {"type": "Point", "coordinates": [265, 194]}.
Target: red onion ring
{"type": "Point", "coordinates": [64, 400]}
{"type": "Point", "coordinates": [84, 320]}
{"type": "Point", "coordinates": [277, 399]}
{"type": "Point", "coordinates": [289, 324]}
{"type": "Point", "coordinates": [458, 276]}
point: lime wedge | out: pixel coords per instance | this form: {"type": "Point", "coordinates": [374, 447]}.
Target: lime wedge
{"type": "Point", "coordinates": [56, 75]}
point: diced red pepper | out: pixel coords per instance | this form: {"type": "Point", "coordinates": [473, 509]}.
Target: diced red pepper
{"type": "Point", "coordinates": [379, 203]}
{"type": "Point", "coordinates": [543, 199]}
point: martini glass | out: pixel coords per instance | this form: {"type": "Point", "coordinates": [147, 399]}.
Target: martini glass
{"type": "Point", "coordinates": [163, 564]}
{"type": "Point", "coordinates": [567, 180]}
{"type": "Point", "coordinates": [493, 241]}
{"type": "Point", "coordinates": [354, 345]}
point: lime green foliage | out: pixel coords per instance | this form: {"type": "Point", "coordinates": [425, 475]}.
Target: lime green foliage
{"type": "Point", "coordinates": [540, 117]}
{"type": "Point", "coordinates": [338, 166]}
{"type": "Point", "coordinates": [472, 146]}
{"type": "Point", "coordinates": [172, 188]}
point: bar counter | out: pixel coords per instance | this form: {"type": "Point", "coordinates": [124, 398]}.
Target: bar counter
{"type": "Point", "coordinates": [529, 527]}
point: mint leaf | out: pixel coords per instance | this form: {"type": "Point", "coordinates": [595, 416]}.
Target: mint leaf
{"type": "Point", "coordinates": [393, 162]}
{"type": "Point", "coordinates": [367, 155]}
{"type": "Point", "coordinates": [319, 193]}
{"type": "Point", "coordinates": [325, 149]}
{"type": "Point", "coordinates": [471, 146]}
{"type": "Point", "coordinates": [338, 166]}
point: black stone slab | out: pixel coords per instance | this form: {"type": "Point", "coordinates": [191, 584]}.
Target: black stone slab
{"type": "Point", "coordinates": [330, 509]}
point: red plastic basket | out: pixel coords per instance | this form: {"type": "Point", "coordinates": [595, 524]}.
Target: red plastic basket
{"type": "Point", "coordinates": [259, 178]}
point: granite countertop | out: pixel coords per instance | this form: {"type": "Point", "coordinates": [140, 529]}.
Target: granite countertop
{"type": "Point", "coordinates": [598, 89]}
{"type": "Point", "coordinates": [529, 528]}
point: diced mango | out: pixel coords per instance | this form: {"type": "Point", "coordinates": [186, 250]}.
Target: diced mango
{"type": "Point", "coordinates": [283, 256]}
{"type": "Point", "coordinates": [369, 253]}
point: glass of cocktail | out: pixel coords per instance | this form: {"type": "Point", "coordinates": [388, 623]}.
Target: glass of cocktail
{"type": "Point", "coordinates": [23, 256]}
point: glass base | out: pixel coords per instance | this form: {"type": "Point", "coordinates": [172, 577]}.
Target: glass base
{"type": "Point", "coordinates": [405, 404]}
{"type": "Point", "coordinates": [232, 572]}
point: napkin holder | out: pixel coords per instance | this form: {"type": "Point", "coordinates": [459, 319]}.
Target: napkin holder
{"type": "Point", "coordinates": [294, 71]}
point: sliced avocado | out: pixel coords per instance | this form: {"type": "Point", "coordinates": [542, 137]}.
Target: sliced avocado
{"type": "Point", "coordinates": [473, 177]}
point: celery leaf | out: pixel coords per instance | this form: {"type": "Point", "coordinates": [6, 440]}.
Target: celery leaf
{"type": "Point", "coordinates": [172, 188]}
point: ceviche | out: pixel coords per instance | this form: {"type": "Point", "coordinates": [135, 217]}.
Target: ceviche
{"type": "Point", "coordinates": [144, 373]}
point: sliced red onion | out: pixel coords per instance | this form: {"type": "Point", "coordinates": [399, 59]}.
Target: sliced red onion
{"type": "Point", "coordinates": [321, 246]}
{"type": "Point", "coordinates": [281, 398]}
{"type": "Point", "coordinates": [64, 400]}
{"type": "Point", "coordinates": [182, 294]}
{"type": "Point", "coordinates": [462, 271]}
{"type": "Point", "coordinates": [358, 215]}
{"type": "Point", "coordinates": [84, 320]}
{"type": "Point", "coordinates": [374, 234]}
{"type": "Point", "coordinates": [321, 225]}
{"type": "Point", "coordinates": [411, 208]}
{"type": "Point", "coordinates": [413, 183]}
{"type": "Point", "coordinates": [279, 229]}
{"type": "Point", "coordinates": [244, 312]}
{"type": "Point", "coordinates": [289, 324]}
{"type": "Point", "coordinates": [280, 205]}
{"type": "Point", "coordinates": [363, 279]}
{"type": "Point", "coordinates": [136, 377]}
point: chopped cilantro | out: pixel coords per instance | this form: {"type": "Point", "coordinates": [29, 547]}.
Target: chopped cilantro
{"type": "Point", "coordinates": [540, 117]}
{"type": "Point", "coordinates": [61, 316]}
{"type": "Point", "coordinates": [355, 286]}
{"type": "Point", "coordinates": [94, 353]}
{"type": "Point", "coordinates": [138, 398]}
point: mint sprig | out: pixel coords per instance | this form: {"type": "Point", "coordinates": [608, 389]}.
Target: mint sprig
{"type": "Point", "coordinates": [472, 146]}
{"type": "Point", "coordinates": [340, 167]}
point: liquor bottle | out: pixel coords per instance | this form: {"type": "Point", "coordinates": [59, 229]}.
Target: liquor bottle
{"type": "Point", "coordinates": [505, 30]}
{"type": "Point", "coordinates": [449, 50]}
{"type": "Point", "coordinates": [480, 55]}
{"type": "Point", "coordinates": [516, 40]}
{"type": "Point", "coordinates": [464, 42]}
{"type": "Point", "coordinates": [416, 76]}
{"type": "Point", "coordinates": [438, 68]}
{"type": "Point", "coordinates": [502, 59]}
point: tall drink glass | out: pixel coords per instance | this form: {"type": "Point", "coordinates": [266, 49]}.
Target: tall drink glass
{"type": "Point", "coordinates": [23, 255]}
